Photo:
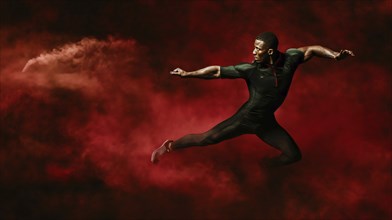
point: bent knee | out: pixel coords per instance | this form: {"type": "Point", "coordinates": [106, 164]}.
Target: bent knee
{"type": "Point", "coordinates": [297, 157]}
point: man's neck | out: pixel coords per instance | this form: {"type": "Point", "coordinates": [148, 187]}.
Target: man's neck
{"type": "Point", "coordinates": [275, 57]}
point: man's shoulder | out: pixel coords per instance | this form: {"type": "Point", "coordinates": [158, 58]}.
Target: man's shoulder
{"type": "Point", "coordinates": [294, 56]}
{"type": "Point", "coordinates": [294, 52]}
{"type": "Point", "coordinates": [244, 66]}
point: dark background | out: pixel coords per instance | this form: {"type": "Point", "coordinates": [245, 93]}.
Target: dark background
{"type": "Point", "coordinates": [79, 124]}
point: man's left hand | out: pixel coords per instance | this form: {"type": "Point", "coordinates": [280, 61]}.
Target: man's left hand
{"type": "Point", "coordinates": [344, 54]}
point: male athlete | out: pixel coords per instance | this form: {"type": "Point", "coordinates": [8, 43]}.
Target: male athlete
{"type": "Point", "coordinates": [268, 79]}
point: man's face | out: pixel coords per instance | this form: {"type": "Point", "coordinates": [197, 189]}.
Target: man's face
{"type": "Point", "coordinates": [260, 51]}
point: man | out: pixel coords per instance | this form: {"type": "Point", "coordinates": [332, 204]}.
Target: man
{"type": "Point", "coordinates": [268, 79]}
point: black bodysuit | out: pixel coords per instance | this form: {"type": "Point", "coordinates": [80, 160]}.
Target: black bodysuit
{"type": "Point", "coordinates": [268, 86]}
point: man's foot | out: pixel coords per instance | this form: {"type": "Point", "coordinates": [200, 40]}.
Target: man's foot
{"type": "Point", "coordinates": [164, 148]}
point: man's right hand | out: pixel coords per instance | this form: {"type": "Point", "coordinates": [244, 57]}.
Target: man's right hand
{"type": "Point", "coordinates": [209, 72]}
{"type": "Point", "coordinates": [178, 72]}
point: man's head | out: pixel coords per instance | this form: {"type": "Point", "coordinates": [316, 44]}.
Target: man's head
{"type": "Point", "coordinates": [265, 45]}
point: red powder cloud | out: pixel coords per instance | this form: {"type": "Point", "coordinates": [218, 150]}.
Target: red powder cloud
{"type": "Point", "coordinates": [78, 122]}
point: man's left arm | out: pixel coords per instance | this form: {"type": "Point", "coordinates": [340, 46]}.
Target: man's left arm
{"type": "Point", "coordinates": [323, 52]}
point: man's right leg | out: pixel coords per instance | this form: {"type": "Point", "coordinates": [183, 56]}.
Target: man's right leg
{"type": "Point", "coordinates": [227, 129]}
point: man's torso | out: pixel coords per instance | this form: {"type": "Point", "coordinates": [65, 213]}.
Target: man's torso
{"type": "Point", "coordinates": [268, 85]}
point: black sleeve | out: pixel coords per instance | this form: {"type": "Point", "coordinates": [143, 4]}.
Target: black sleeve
{"type": "Point", "coordinates": [296, 56]}
{"type": "Point", "coordinates": [237, 71]}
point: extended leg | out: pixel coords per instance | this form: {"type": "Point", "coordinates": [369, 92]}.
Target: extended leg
{"type": "Point", "coordinates": [227, 129]}
{"type": "Point", "coordinates": [277, 137]}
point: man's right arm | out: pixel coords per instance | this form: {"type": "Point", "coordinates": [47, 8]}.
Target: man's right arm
{"type": "Point", "coordinates": [210, 72]}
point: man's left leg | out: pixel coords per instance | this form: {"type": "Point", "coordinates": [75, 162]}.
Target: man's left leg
{"type": "Point", "coordinates": [274, 135]}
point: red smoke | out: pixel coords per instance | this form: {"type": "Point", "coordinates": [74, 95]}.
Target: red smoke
{"type": "Point", "coordinates": [79, 122]}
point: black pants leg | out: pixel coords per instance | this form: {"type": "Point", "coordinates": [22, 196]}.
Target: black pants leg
{"type": "Point", "coordinates": [270, 132]}
{"type": "Point", "coordinates": [273, 134]}
{"type": "Point", "coordinates": [227, 129]}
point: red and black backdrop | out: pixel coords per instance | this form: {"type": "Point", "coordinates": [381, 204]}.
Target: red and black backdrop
{"type": "Point", "coordinates": [86, 95]}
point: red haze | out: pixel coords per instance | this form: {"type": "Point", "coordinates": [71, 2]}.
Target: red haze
{"type": "Point", "coordinates": [78, 122]}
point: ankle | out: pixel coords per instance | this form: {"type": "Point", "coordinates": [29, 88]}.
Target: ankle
{"type": "Point", "coordinates": [169, 147]}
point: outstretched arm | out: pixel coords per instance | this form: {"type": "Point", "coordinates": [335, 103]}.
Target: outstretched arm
{"type": "Point", "coordinates": [319, 51]}
{"type": "Point", "coordinates": [209, 72]}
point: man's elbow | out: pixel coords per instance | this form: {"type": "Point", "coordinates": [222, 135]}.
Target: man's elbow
{"type": "Point", "coordinates": [215, 73]}
{"type": "Point", "coordinates": [308, 53]}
